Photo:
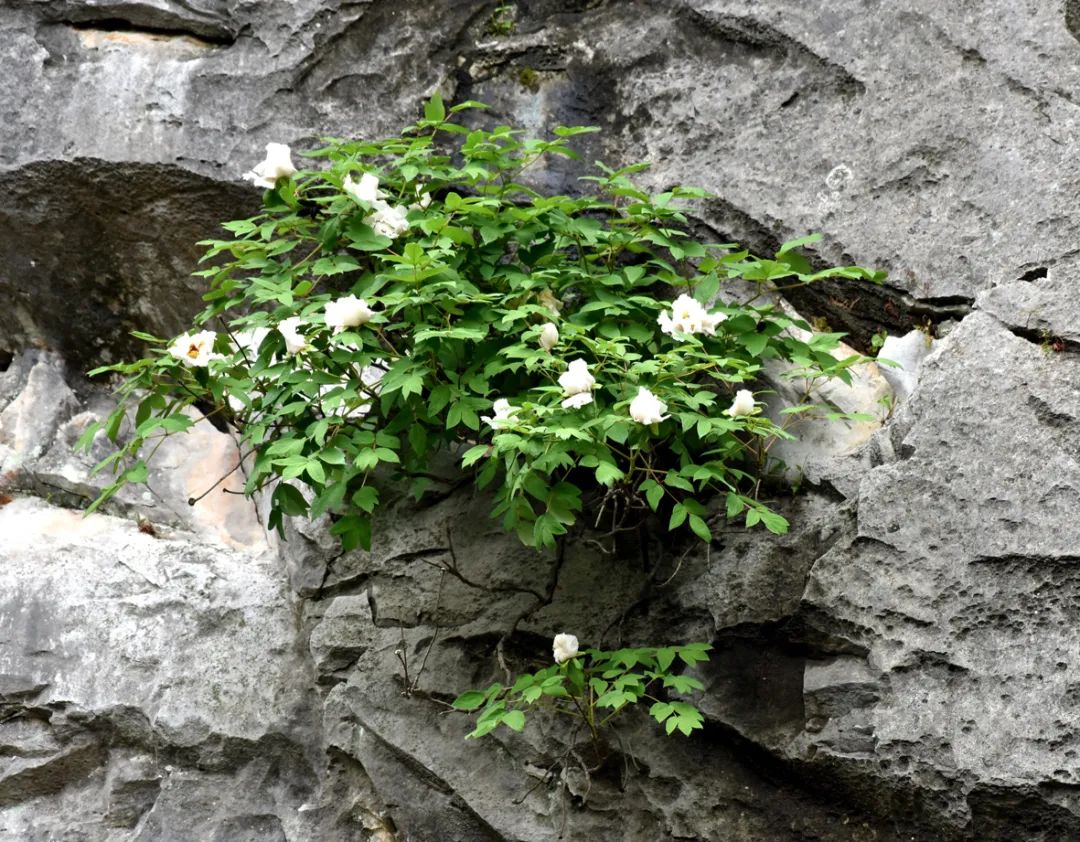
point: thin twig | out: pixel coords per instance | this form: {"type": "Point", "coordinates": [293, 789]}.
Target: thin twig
{"type": "Point", "coordinates": [435, 636]}
{"type": "Point", "coordinates": [193, 500]}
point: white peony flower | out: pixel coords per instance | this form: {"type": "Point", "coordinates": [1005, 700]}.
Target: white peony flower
{"type": "Point", "coordinates": [388, 221]}
{"type": "Point", "coordinates": [294, 341]}
{"type": "Point", "coordinates": [711, 320]}
{"type": "Point", "coordinates": [349, 311]}
{"type": "Point", "coordinates": [564, 647]}
{"type": "Point", "coordinates": [647, 408]}
{"type": "Point", "coordinates": [423, 200]}
{"type": "Point", "coordinates": [577, 401]}
{"type": "Point", "coordinates": [504, 414]}
{"type": "Point", "coordinates": [249, 341]}
{"type": "Point", "coordinates": [549, 336]}
{"type": "Point", "coordinates": [278, 164]}
{"type": "Point", "coordinates": [689, 316]}
{"type": "Point", "coordinates": [195, 349]}
{"type": "Point", "coordinates": [366, 190]}
{"type": "Point", "coordinates": [743, 404]}
{"type": "Point", "coordinates": [576, 379]}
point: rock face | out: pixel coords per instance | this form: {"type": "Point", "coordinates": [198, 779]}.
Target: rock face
{"type": "Point", "coordinates": [899, 667]}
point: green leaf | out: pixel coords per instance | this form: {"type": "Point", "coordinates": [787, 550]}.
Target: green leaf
{"type": "Point", "coordinates": [468, 701]}
{"type": "Point", "coordinates": [700, 528]}
{"type": "Point", "coordinates": [354, 532]}
{"type": "Point", "coordinates": [754, 343]}
{"type": "Point", "coordinates": [289, 500]}
{"type": "Point", "coordinates": [798, 243]}
{"type": "Point", "coordinates": [653, 494]}
{"type": "Point", "coordinates": [777, 524]}
{"type": "Point", "coordinates": [607, 473]}
{"type": "Point", "coordinates": [571, 131]}
{"type": "Point", "coordinates": [136, 473]}
{"type": "Point", "coordinates": [514, 720]}
{"type": "Point", "coordinates": [316, 471]}
{"type": "Point", "coordinates": [475, 453]}
{"type": "Point", "coordinates": [661, 711]}
{"type": "Point", "coordinates": [434, 110]}
{"type": "Point", "coordinates": [362, 236]}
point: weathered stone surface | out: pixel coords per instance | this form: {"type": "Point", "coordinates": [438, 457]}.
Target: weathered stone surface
{"type": "Point", "coordinates": [955, 588]}
{"type": "Point", "coordinates": [899, 666]}
{"type": "Point", "coordinates": [41, 420]}
{"type": "Point", "coordinates": [124, 640]}
{"type": "Point", "coordinates": [865, 126]}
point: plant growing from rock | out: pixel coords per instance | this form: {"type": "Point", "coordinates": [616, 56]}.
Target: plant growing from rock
{"type": "Point", "coordinates": [594, 687]}
{"type": "Point", "coordinates": [414, 295]}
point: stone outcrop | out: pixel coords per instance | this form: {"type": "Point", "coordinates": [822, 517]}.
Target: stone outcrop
{"type": "Point", "coordinates": [898, 667]}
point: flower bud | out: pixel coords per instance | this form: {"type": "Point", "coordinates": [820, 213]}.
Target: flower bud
{"type": "Point", "coordinates": [549, 336]}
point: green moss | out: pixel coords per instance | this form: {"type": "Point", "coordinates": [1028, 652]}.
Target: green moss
{"type": "Point", "coordinates": [529, 78]}
{"type": "Point", "coordinates": [501, 21]}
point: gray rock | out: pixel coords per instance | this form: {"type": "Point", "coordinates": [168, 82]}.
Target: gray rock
{"type": "Point", "coordinates": [955, 589]}
{"type": "Point", "coordinates": [899, 666]}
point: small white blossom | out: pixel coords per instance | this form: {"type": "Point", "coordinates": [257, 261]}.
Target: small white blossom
{"type": "Point", "coordinates": [504, 414]}
{"type": "Point", "coordinates": [366, 190]}
{"type": "Point", "coordinates": [423, 200]}
{"type": "Point", "coordinates": [576, 379]}
{"type": "Point", "coordinates": [278, 164]}
{"type": "Point", "coordinates": [742, 405]}
{"type": "Point", "coordinates": [388, 221]}
{"type": "Point", "coordinates": [549, 336]}
{"type": "Point", "coordinates": [196, 349]}
{"type": "Point", "coordinates": [249, 341]}
{"type": "Point", "coordinates": [564, 647]}
{"type": "Point", "coordinates": [647, 408]}
{"type": "Point", "coordinates": [349, 311]}
{"type": "Point", "coordinates": [688, 316]}
{"type": "Point", "coordinates": [577, 401]}
{"type": "Point", "coordinates": [294, 341]}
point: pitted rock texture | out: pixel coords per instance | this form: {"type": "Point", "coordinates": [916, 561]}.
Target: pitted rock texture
{"type": "Point", "coordinates": [889, 130]}
{"type": "Point", "coordinates": [899, 667]}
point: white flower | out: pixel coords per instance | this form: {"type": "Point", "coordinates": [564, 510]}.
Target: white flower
{"type": "Point", "coordinates": [564, 647]}
{"type": "Point", "coordinates": [424, 200]}
{"type": "Point", "coordinates": [576, 379]}
{"type": "Point", "coordinates": [504, 414]}
{"type": "Point", "coordinates": [278, 164]}
{"type": "Point", "coordinates": [689, 316]}
{"type": "Point", "coordinates": [349, 311]}
{"type": "Point", "coordinates": [294, 341]}
{"type": "Point", "coordinates": [577, 401]}
{"type": "Point", "coordinates": [388, 221]}
{"type": "Point", "coordinates": [196, 349]}
{"type": "Point", "coordinates": [249, 341]}
{"type": "Point", "coordinates": [366, 190]}
{"type": "Point", "coordinates": [647, 408]}
{"type": "Point", "coordinates": [742, 405]}
{"type": "Point", "coordinates": [710, 322]}
{"type": "Point", "coordinates": [549, 336]}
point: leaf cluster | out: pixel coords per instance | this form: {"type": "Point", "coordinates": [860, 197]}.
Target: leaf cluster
{"type": "Point", "coordinates": [460, 300]}
{"type": "Point", "coordinates": [594, 687]}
